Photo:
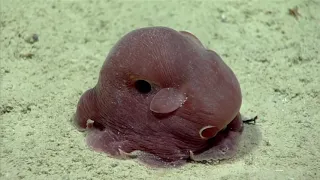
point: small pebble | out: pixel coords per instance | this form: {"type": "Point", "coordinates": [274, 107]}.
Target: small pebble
{"type": "Point", "coordinates": [32, 39]}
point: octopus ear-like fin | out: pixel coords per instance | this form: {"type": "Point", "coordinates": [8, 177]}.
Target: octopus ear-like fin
{"type": "Point", "coordinates": [192, 37]}
{"type": "Point", "coordinates": [167, 100]}
{"type": "Point", "coordinates": [208, 132]}
{"type": "Point", "coordinates": [86, 111]}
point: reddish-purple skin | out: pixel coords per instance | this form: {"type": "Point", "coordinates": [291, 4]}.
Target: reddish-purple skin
{"type": "Point", "coordinates": [191, 112]}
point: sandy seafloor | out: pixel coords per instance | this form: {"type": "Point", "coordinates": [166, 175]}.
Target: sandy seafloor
{"type": "Point", "coordinates": [275, 57]}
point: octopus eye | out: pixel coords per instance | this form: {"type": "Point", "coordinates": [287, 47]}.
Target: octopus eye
{"type": "Point", "coordinates": [143, 86]}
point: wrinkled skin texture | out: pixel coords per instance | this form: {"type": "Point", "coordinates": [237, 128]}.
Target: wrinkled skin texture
{"type": "Point", "coordinates": [190, 111]}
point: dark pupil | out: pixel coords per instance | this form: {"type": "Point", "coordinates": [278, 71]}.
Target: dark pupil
{"type": "Point", "coordinates": [142, 86]}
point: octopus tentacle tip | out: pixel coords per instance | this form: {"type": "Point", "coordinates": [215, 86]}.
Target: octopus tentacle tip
{"type": "Point", "coordinates": [192, 157]}
{"type": "Point", "coordinates": [126, 155]}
